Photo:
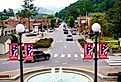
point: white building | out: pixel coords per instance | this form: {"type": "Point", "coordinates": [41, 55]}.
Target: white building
{"type": "Point", "coordinates": [4, 44]}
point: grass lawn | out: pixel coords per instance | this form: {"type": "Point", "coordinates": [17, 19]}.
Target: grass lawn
{"type": "Point", "coordinates": [108, 39]}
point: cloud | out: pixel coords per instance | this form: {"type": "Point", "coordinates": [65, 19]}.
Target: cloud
{"type": "Point", "coordinates": [5, 4]}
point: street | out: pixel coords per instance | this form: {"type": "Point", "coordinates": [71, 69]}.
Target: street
{"type": "Point", "coordinates": [63, 53]}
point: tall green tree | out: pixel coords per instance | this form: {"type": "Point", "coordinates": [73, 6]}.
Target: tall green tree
{"type": "Point", "coordinates": [85, 6]}
{"type": "Point", "coordinates": [53, 20]}
{"type": "Point", "coordinates": [73, 12]}
{"type": "Point", "coordinates": [71, 21]}
{"type": "Point", "coordinates": [114, 16]}
{"type": "Point", "coordinates": [28, 11]}
{"type": "Point", "coordinates": [102, 20]}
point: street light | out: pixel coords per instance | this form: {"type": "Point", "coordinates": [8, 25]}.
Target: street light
{"type": "Point", "coordinates": [96, 28]}
{"type": "Point", "coordinates": [19, 29]}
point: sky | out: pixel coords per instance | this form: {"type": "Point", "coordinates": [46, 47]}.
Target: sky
{"type": "Point", "coordinates": [14, 4]}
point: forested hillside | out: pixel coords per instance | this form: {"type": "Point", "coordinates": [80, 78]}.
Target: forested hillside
{"type": "Point", "coordinates": [82, 6]}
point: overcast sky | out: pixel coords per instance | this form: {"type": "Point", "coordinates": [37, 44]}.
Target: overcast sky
{"type": "Point", "coordinates": [14, 4]}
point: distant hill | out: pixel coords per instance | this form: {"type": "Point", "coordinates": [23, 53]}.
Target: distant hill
{"type": "Point", "coordinates": [45, 10]}
{"type": "Point", "coordinates": [41, 10]}
{"type": "Point", "coordinates": [97, 6]}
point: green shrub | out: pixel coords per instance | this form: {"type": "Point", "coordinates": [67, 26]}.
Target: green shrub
{"type": "Point", "coordinates": [43, 43]}
{"type": "Point", "coordinates": [14, 39]}
{"type": "Point", "coordinates": [81, 41]}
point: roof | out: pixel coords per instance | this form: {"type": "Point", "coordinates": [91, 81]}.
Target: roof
{"type": "Point", "coordinates": [9, 28]}
{"type": "Point", "coordinates": [3, 38]}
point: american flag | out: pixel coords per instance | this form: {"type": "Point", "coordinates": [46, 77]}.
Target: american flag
{"type": "Point", "coordinates": [104, 49]}
{"type": "Point", "coordinates": [14, 50]}
{"type": "Point", "coordinates": [29, 50]}
{"type": "Point", "coordinates": [89, 49]}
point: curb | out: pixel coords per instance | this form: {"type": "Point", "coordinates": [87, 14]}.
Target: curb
{"type": "Point", "coordinates": [110, 78]}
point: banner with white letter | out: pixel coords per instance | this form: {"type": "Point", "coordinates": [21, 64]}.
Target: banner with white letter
{"type": "Point", "coordinates": [88, 51]}
{"type": "Point", "coordinates": [13, 51]}
{"type": "Point", "coordinates": [103, 50]}
{"type": "Point", "coordinates": [28, 51]}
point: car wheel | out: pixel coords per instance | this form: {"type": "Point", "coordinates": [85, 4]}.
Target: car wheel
{"type": "Point", "coordinates": [47, 58]}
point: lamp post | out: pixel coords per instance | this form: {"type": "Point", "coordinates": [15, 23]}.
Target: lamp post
{"type": "Point", "coordinates": [19, 29]}
{"type": "Point", "coordinates": [96, 28]}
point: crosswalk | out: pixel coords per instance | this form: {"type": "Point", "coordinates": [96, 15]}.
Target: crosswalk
{"type": "Point", "coordinates": [114, 61]}
{"type": "Point", "coordinates": [67, 55]}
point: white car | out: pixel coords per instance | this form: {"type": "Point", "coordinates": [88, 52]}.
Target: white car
{"type": "Point", "coordinates": [50, 30]}
{"type": "Point", "coordinates": [69, 38]}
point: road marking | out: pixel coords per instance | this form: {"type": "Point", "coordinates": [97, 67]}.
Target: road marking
{"type": "Point", "coordinates": [82, 55]}
{"type": "Point", "coordinates": [59, 41]}
{"type": "Point", "coordinates": [69, 55]}
{"type": "Point", "coordinates": [76, 59]}
{"type": "Point", "coordinates": [55, 55]}
{"type": "Point", "coordinates": [65, 47]}
{"type": "Point", "coordinates": [71, 41]}
{"type": "Point", "coordinates": [76, 55]}
{"type": "Point", "coordinates": [62, 55]}
{"type": "Point", "coordinates": [64, 63]}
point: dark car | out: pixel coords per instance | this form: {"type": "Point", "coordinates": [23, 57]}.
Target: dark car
{"type": "Point", "coordinates": [65, 32]}
{"type": "Point", "coordinates": [31, 34]}
{"type": "Point", "coordinates": [40, 55]}
{"type": "Point", "coordinates": [69, 38]}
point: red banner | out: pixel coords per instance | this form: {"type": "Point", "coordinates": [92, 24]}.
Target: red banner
{"type": "Point", "coordinates": [13, 51]}
{"type": "Point", "coordinates": [28, 51]}
{"type": "Point", "coordinates": [103, 50]}
{"type": "Point", "coordinates": [88, 51]}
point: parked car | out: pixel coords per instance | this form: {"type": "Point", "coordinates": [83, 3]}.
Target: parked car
{"type": "Point", "coordinates": [40, 55]}
{"type": "Point", "coordinates": [65, 32]}
{"type": "Point", "coordinates": [73, 32]}
{"type": "Point", "coordinates": [33, 33]}
{"type": "Point", "coordinates": [50, 30]}
{"type": "Point", "coordinates": [69, 38]}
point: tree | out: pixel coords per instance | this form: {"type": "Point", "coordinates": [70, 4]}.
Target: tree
{"type": "Point", "coordinates": [85, 6]}
{"type": "Point", "coordinates": [53, 20]}
{"type": "Point", "coordinates": [56, 14]}
{"type": "Point", "coordinates": [10, 12]}
{"type": "Point", "coordinates": [71, 21]}
{"type": "Point", "coordinates": [102, 20]}
{"type": "Point", "coordinates": [114, 16]}
{"type": "Point", "coordinates": [28, 11]}
{"type": "Point", "coordinates": [73, 12]}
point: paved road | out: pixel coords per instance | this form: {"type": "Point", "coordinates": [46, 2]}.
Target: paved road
{"type": "Point", "coordinates": [64, 53]}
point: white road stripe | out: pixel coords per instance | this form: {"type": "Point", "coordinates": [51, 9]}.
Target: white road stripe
{"type": "Point", "coordinates": [65, 47]}
{"type": "Point", "coordinates": [62, 55]}
{"type": "Point", "coordinates": [55, 55]}
{"type": "Point", "coordinates": [69, 55]}
{"type": "Point", "coordinates": [76, 55]}
{"type": "Point", "coordinates": [82, 55]}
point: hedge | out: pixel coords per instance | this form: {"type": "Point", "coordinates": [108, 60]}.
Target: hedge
{"type": "Point", "coordinates": [43, 43]}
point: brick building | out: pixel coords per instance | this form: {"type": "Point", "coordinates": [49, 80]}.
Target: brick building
{"type": "Point", "coordinates": [27, 23]}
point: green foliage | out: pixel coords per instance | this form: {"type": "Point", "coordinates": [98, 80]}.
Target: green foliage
{"type": "Point", "coordinates": [53, 20]}
{"type": "Point", "coordinates": [5, 14]}
{"type": "Point", "coordinates": [108, 39]}
{"type": "Point", "coordinates": [81, 41]}
{"type": "Point", "coordinates": [28, 11]}
{"type": "Point", "coordinates": [71, 21]}
{"type": "Point", "coordinates": [102, 20]}
{"type": "Point", "coordinates": [43, 43]}
{"type": "Point", "coordinates": [114, 17]}
{"type": "Point", "coordinates": [13, 37]}
{"type": "Point", "coordinates": [82, 6]}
